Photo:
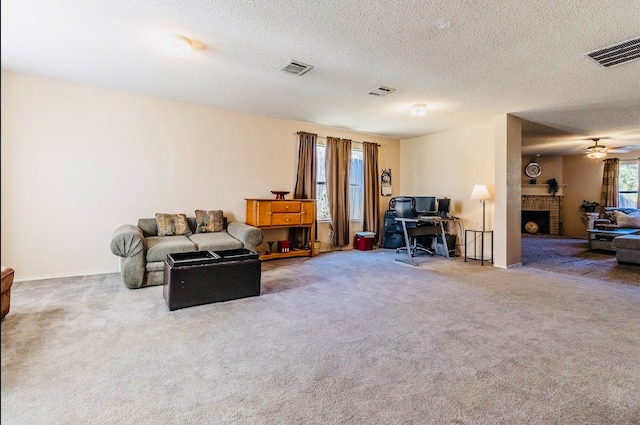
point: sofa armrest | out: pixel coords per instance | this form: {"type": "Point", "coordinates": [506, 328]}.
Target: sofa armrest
{"type": "Point", "coordinates": [127, 241]}
{"type": "Point", "coordinates": [250, 236]}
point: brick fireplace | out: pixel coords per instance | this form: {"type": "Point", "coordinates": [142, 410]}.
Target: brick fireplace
{"type": "Point", "coordinates": [543, 204]}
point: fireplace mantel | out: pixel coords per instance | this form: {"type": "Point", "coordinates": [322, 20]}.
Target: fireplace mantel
{"type": "Point", "coordinates": [540, 189]}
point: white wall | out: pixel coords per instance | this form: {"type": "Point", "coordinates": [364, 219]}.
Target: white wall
{"type": "Point", "coordinates": [551, 169]}
{"type": "Point", "coordinates": [450, 164]}
{"type": "Point", "coordinates": [79, 161]}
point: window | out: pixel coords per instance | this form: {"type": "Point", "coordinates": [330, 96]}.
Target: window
{"type": "Point", "coordinates": [356, 186]}
{"type": "Point", "coordinates": [628, 184]}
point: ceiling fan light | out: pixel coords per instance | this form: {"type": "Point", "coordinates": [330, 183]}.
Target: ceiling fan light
{"type": "Point", "coordinates": [596, 151]}
{"type": "Point", "coordinates": [597, 155]}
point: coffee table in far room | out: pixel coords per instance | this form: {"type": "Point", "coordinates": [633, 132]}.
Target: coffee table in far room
{"type": "Point", "coordinates": [603, 239]}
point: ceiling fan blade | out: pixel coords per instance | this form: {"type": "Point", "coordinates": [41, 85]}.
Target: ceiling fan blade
{"type": "Point", "coordinates": [624, 149]}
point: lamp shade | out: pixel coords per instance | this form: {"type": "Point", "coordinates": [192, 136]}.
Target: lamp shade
{"type": "Point", "coordinates": [480, 192]}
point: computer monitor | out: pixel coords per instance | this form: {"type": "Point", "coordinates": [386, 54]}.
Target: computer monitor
{"type": "Point", "coordinates": [425, 204]}
{"type": "Point", "coordinates": [443, 206]}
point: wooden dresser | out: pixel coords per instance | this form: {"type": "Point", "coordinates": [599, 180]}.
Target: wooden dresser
{"type": "Point", "coordinates": [283, 213]}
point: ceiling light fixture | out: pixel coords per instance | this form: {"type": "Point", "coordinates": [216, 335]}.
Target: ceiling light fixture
{"type": "Point", "coordinates": [418, 109]}
{"type": "Point", "coordinates": [597, 151]}
{"type": "Point", "coordinates": [597, 154]}
{"type": "Point", "coordinates": [178, 45]}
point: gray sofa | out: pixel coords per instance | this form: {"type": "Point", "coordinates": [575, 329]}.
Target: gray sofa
{"type": "Point", "coordinates": [627, 249]}
{"type": "Point", "coordinates": [627, 246]}
{"type": "Point", "coordinates": [143, 252]}
{"type": "Point", "coordinates": [608, 221]}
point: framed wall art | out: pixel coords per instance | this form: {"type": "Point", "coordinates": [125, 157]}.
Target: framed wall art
{"type": "Point", "coordinates": [385, 184]}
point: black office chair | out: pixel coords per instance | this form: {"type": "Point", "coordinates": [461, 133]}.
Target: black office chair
{"type": "Point", "coordinates": [405, 208]}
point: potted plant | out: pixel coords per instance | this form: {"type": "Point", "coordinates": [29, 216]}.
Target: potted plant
{"type": "Point", "coordinates": [589, 206]}
{"type": "Point", "coordinates": [553, 186]}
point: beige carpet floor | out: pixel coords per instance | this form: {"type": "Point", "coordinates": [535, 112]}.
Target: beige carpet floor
{"type": "Point", "coordinates": [572, 257]}
{"type": "Point", "coordinates": [342, 338]}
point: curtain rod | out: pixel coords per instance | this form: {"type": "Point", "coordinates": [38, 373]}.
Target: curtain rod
{"type": "Point", "coordinates": [353, 141]}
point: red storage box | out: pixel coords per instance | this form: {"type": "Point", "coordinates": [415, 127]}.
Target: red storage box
{"type": "Point", "coordinates": [364, 242]}
{"type": "Point", "coordinates": [283, 246]}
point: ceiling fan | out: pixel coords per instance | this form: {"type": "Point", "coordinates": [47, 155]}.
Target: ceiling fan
{"type": "Point", "coordinates": [600, 151]}
{"type": "Point", "coordinates": [597, 151]}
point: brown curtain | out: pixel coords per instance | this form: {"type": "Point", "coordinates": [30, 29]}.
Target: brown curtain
{"type": "Point", "coordinates": [609, 195]}
{"type": "Point", "coordinates": [305, 186]}
{"type": "Point", "coordinates": [638, 203]}
{"type": "Point", "coordinates": [371, 219]}
{"type": "Point", "coordinates": [338, 164]}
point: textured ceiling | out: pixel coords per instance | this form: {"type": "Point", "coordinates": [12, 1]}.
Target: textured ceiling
{"type": "Point", "coordinates": [499, 56]}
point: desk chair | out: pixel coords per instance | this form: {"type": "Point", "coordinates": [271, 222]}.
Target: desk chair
{"type": "Point", "coordinates": [405, 208]}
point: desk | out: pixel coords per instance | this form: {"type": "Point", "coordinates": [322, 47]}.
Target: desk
{"type": "Point", "coordinates": [423, 219]}
{"type": "Point", "coordinates": [475, 236]}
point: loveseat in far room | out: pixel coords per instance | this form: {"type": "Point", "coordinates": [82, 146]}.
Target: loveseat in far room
{"type": "Point", "coordinates": [144, 248]}
{"type": "Point", "coordinates": [627, 246]}
{"type": "Point", "coordinates": [612, 218]}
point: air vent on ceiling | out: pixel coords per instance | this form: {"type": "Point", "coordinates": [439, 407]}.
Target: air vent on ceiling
{"type": "Point", "coordinates": [617, 54]}
{"type": "Point", "coordinates": [296, 67]}
{"type": "Point", "coordinates": [381, 91]}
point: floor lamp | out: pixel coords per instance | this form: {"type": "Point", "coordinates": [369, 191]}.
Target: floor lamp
{"type": "Point", "coordinates": [481, 192]}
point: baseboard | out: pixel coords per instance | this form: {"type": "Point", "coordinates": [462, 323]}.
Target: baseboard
{"type": "Point", "coordinates": [63, 275]}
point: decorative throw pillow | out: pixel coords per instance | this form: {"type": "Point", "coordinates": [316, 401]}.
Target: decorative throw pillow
{"type": "Point", "coordinates": [630, 221]}
{"type": "Point", "coordinates": [172, 224]}
{"type": "Point", "coordinates": [209, 221]}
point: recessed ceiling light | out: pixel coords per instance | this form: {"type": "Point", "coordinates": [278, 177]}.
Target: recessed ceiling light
{"type": "Point", "coordinates": [418, 110]}
{"type": "Point", "coordinates": [178, 45]}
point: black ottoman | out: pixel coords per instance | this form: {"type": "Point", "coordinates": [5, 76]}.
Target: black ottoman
{"type": "Point", "coordinates": [203, 277]}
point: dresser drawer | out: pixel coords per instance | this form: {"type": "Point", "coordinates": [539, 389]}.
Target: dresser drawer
{"type": "Point", "coordinates": [285, 207]}
{"type": "Point", "coordinates": [285, 219]}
